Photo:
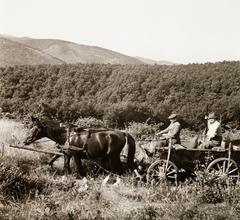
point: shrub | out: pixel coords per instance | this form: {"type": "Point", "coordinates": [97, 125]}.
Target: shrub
{"type": "Point", "coordinates": [142, 131]}
{"type": "Point", "coordinates": [15, 180]}
{"type": "Point", "coordinates": [90, 122]}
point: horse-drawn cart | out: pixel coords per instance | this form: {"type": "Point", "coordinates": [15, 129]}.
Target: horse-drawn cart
{"type": "Point", "coordinates": [169, 163]}
{"type": "Point", "coordinates": [174, 162]}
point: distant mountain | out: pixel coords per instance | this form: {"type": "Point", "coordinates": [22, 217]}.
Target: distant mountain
{"type": "Point", "coordinates": [14, 53]}
{"type": "Point", "coordinates": [20, 51]}
{"type": "Point", "coordinates": [36, 51]}
{"type": "Point", "coordinates": [152, 62]}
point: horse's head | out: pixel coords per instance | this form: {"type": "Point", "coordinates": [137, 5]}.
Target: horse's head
{"type": "Point", "coordinates": [38, 130]}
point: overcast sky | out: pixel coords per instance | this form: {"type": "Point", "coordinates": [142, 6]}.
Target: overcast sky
{"type": "Point", "coordinates": [181, 31]}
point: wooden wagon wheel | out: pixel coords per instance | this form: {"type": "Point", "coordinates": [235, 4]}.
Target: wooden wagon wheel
{"type": "Point", "coordinates": [162, 170]}
{"type": "Point", "coordinates": [223, 167]}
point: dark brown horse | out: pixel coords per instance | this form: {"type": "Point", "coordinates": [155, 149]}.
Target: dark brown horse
{"type": "Point", "coordinates": [96, 143]}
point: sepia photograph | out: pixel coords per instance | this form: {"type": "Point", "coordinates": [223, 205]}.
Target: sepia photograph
{"type": "Point", "coordinates": [119, 109]}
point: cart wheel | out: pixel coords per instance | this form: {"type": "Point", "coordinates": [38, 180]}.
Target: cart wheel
{"type": "Point", "coordinates": [222, 169]}
{"type": "Point", "coordinates": [158, 172]}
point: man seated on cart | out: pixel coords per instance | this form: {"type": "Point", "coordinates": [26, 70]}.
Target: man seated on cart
{"type": "Point", "coordinates": [171, 132]}
{"type": "Point", "coordinates": [214, 133]}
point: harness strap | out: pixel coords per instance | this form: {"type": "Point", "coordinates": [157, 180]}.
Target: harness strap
{"type": "Point", "coordinates": [88, 136]}
{"type": "Point", "coordinates": [67, 145]}
{"type": "Point", "coordinates": [71, 147]}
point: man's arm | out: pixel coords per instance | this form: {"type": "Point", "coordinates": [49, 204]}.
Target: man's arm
{"type": "Point", "coordinates": [163, 131]}
{"type": "Point", "coordinates": [174, 131]}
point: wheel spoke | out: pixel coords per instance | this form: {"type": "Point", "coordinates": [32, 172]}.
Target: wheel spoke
{"type": "Point", "coordinates": [231, 171]}
{"type": "Point", "coordinates": [172, 177]}
{"type": "Point", "coordinates": [170, 172]}
{"type": "Point", "coordinates": [219, 168]}
{"type": "Point", "coordinates": [224, 167]}
{"type": "Point", "coordinates": [170, 168]}
{"type": "Point", "coordinates": [162, 170]}
{"type": "Point", "coordinates": [229, 165]}
{"type": "Point", "coordinates": [234, 176]}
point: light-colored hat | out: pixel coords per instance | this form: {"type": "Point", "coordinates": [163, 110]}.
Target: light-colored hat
{"type": "Point", "coordinates": [212, 116]}
{"type": "Point", "coordinates": [172, 116]}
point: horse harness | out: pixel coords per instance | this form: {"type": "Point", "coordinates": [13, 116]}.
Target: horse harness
{"type": "Point", "coordinates": [67, 145]}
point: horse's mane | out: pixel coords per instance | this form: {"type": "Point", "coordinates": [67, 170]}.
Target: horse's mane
{"type": "Point", "coordinates": [50, 123]}
{"type": "Point", "coordinates": [56, 126]}
{"type": "Point", "coordinates": [55, 131]}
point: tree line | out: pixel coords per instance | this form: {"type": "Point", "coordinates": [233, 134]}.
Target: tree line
{"type": "Point", "coordinates": [121, 94]}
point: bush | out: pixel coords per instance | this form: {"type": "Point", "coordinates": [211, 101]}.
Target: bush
{"type": "Point", "coordinates": [90, 122]}
{"type": "Point", "coordinates": [141, 131]}
{"type": "Point", "coordinates": [15, 180]}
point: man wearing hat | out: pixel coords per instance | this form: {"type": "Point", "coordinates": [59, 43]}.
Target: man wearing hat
{"type": "Point", "coordinates": [172, 131]}
{"type": "Point", "coordinates": [214, 133]}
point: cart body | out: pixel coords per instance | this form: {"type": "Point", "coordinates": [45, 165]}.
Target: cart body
{"type": "Point", "coordinates": [174, 163]}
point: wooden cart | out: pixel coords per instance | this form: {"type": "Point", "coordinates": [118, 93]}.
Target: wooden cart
{"type": "Point", "coordinates": [174, 162]}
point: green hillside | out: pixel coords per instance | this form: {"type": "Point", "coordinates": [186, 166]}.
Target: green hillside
{"type": "Point", "coordinates": [124, 93]}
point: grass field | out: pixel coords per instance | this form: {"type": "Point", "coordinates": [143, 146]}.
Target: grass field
{"type": "Point", "coordinates": [29, 189]}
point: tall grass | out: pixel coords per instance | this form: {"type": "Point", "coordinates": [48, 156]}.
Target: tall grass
{"type": "Point", "coordinates": [29, 189]}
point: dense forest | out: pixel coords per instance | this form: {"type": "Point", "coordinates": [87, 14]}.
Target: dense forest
{"type": "Point", "coordinates": [124, 93]}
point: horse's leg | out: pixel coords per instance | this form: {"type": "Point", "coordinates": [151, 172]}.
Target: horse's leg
{"type": "Point", "coordinates": [67, 159]}
{"type": "Point", "coordinates": [115, 163]}
{"type": "Point", "coordinates": [78, 163]}
{"type": "Point", "coordinates": [55, 157]}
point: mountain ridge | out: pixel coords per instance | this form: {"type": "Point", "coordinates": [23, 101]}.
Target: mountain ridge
{"type": "Point", "coordinates": [14, 53]}
{"type": "Point", "coordinates": [25, 50]}
{"type": "Point", "coordinates": [152, 62]}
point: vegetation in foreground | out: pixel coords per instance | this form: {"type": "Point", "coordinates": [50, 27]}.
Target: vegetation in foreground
{"type": "Point", "coordinates": [30, 190]}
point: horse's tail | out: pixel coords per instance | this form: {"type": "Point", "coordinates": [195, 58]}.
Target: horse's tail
{"type": "Point", "coordinates": [131, 151]}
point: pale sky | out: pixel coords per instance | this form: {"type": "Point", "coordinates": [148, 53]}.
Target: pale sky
{"type": "Point", "coordinates": [180, 31]}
